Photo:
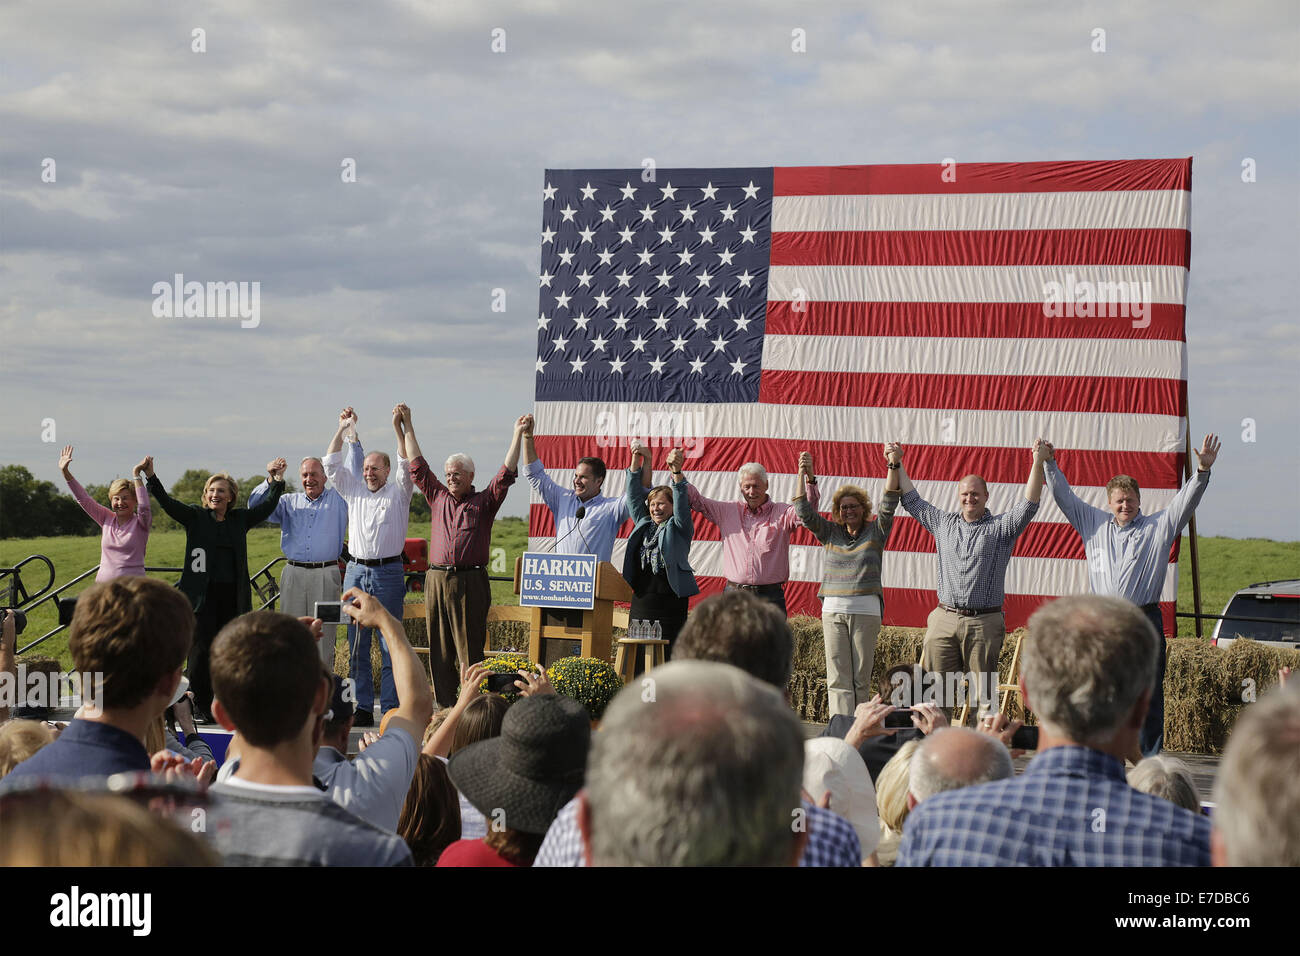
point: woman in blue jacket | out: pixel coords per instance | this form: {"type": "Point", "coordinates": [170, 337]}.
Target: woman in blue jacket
{"type": "Point", "coordinates": [656, 562]}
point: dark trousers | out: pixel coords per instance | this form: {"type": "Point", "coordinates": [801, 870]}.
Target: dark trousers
{"type": "Point", "coordinates": [771, 593]}
{"type": "Point", "coordinates": [219, 609]}
{"type": "Point", "coordinates": [1152, 738]}
{"type": "Point", "coordinates": [456, 609]}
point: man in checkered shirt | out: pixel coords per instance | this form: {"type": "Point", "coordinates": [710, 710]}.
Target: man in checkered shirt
{"type": "Point", "coordinates": [964, 633]}
{"type": "Point", "coordinates": [1087, 667]}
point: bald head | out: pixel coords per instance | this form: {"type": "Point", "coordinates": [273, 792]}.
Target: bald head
{"type": "Point", "coordinates": [973, 494]}
{"type": "Point", "coordinates": [956, 757]}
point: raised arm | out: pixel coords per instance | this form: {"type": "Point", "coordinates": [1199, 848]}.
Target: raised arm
{"type": "Point", "coordinates": [181, 513]}
{"type": "Point", "coordinates": [414, 700]}
{"type": "Point", "coordinates": [143, 507]}
{"type": "Point", "coordinates": [1083, 516]}
{"type": "Point", "coordinates": [440, 741]}
{"type": "Point", "coordinates": [635, 496]}
{"type": "Point", "coordinates": [259, 512]}
{"type": "Point", "coordinates": [345, 422]}
{"type": "Point", "coordinates": [1189, 495]}
{"type": "Point", "coordinates": [1034, 486]}
{"type": "Point", "coordinates": [894, 467]}
{"type": "Point", "coordinates": [806, 510]}
{"type": "Point", "coordinates": [916, 506]}
{"type": "Point", "coordinates": [885, 513]}
{"type": "Point", "coordinates": [681, 502]}
{"type": "Point", "coordinates": [407, 446]}
{"type": "Point", "coordinates": [709, 507]}
{"type": "Point", "coordinates": [516, 439]}
{"type": "Point", "coordinates": [529, 449]}
{"type": "Point", "coordinates": [354, 456]}
{"type": "Point", "coordinates": [897, 479]}
{"type": "Point", "coordinates": [648, 471]}
{"type": "Point", "coordinates": [97, 512]}
{"type": "Point", "coordinates": [258, 494]}
{"type": "Point", "coordinates": [1016, 519]}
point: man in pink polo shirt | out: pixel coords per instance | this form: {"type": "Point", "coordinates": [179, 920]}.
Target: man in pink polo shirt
{"type": "Point", "coordinates": [755, 532]}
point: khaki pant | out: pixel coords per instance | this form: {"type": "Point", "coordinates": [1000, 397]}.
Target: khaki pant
{"type": "Point", "coordinates": [301, 588]}
{"type": "Point", "coordinates": [850, 653]}
{"type": "Point", "coordinates": [955, 644]}
{"type": "Point", "coordinates": [456, 609]}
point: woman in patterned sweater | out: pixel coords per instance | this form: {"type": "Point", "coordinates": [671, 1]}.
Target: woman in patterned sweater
{"type": "Point", "coordinates": [851, 593]}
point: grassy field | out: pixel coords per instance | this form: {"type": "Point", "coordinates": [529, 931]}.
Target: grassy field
{"type": "Point", "coordinates": [1226, 565]}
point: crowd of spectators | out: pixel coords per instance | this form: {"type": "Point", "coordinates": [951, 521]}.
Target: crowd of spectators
{"type": "Point", "coordinates": [702, 761]}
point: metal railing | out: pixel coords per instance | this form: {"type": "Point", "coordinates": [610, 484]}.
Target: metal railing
{"type": "Point", "coordinates": [271, 587]}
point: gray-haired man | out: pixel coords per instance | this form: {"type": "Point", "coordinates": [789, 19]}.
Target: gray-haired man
{"type": "Point", "coordinates": [1256, 795]}
{"type": "Point", "coordinates": [313, 523]}
{"type": "Point", "coordinates": [709, 774]}
{"type": "Point", "coordinates": [1087, 666]}
{"type": "Point", "coordinates": [755, 532]}
{"type": "Point", "coordinates": [955, 757]}
{"type": "Point", "coordinates": [457, 591]}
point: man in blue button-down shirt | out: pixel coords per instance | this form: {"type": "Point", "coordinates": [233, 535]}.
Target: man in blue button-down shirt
{"type": "Point", "coordinates": [313, 523]}
{"type": "Point", "coordinates": [602, 516]}
{"type": "Point", "coordinates": [1086, 669]}
{"type": "Point", "coordinates": [1128, 552]}
{"type": "Point", "coordinates": [964, 633]}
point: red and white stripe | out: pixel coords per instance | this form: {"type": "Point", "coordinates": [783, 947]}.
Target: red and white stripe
{"type": "Point", "coordinates": [905, 307]}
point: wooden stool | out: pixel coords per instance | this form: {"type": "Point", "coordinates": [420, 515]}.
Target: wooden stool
{"type": "Point", "coordinates": [1006, 688]}
{"type": "Point", "coordinates": [625, 655]}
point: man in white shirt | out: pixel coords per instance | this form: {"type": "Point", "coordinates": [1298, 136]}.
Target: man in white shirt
{"type": "Point", "coordinates": [378, 513]}
{"type": "Point", "coordinates": [374, 785]}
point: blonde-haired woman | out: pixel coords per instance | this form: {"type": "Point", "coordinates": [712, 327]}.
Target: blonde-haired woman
{"type": "Point", "coordinates": [851, 592]}
{"type": "Point", "coordinates": [125, 522]}
{"type": "Point", "coordinates": [215, 573]}
{"type": "Point", "coordinates": [891, 801]}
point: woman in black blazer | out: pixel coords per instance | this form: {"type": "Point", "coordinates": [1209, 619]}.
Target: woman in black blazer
{"type": "Point", "coordinates": [215, 573]}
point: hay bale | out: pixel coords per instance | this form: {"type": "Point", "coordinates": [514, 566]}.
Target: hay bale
{"type": "Point", "coordinates": [807, 694]}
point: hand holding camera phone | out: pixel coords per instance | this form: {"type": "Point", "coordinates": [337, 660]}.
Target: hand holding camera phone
{"type": "Point", "coordinates": [899, 719]}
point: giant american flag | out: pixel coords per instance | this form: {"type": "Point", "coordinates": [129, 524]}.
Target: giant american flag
{"type": "Point", "coordinates": [752, 313]}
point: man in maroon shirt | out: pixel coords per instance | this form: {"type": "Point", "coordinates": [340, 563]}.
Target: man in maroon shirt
{"type": "Point", "coordinates": [457, 593]}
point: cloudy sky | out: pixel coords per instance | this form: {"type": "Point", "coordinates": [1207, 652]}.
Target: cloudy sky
{"type": "Point", "coordinates": [226, 165]}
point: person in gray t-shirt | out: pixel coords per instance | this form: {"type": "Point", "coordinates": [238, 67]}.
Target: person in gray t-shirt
{"type": "Point", "coordinates": [259, 825]}
{"type": "Point", "coordinates": [373, 785]}
{"type": "Point", "coordinates": [271, 688]}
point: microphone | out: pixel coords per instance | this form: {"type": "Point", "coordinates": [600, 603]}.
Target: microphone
{"type": "Point", "coordinates": [579, 514]}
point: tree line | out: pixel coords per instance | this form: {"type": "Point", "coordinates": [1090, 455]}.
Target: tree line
{"type": "Point", "coordinates": [31, 508]}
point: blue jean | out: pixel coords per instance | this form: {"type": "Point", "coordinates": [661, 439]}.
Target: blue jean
{"type": "Point", "coordinates": [388, 583]}
{"type": "Point", "coordinates": [1152, 738]}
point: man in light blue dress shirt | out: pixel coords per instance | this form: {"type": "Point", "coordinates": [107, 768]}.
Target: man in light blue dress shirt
{"type": "Point", "coordinates": [1128, 552]}
{"type": "Point", "coordinates": [595, 532]}
{"type": "Point", "coordinates": [313, 523]}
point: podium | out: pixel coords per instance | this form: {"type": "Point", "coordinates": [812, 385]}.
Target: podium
{"type": "Point", "coordinates": [596, 631]}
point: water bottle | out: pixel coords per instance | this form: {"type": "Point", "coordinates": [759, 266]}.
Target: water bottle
{"type": "Point", "coordinates": [658, 632]}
